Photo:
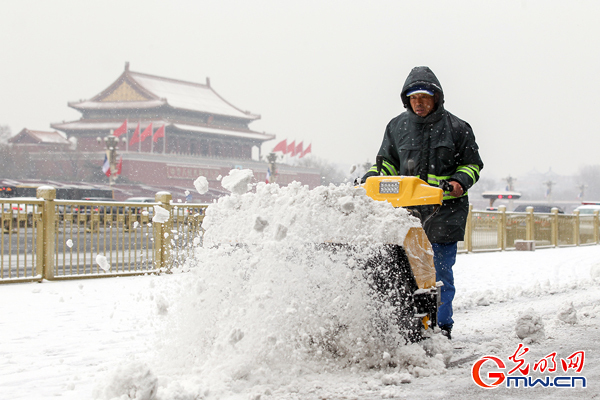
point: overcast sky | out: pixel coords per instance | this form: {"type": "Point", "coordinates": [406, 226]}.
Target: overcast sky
{"type": "Point", "coordinates": [524, 74]}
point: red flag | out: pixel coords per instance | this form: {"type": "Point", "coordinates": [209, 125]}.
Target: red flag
{"type": "Point", "coordinates": [121, 130]}
{"type": "Point", "coordinates": [299, 149]}
{"type": "Point", "coordinates": [292, 148]}
{"type": "Point", "coordinates": [308, 150]}
{"type": "Point", "coordinates": [281, 146]}
{"type": "Point", "coordinates": [120, 166]}
{"type": "Point", "coordinates": [147, 133]}
{"type": "Point", "coordinates": [160, 132]}
{"type": "Point", "coordinates": [136, 136]}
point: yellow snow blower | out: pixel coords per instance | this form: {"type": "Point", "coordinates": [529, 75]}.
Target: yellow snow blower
{"type": "Point", "coordinates": [404, 273]}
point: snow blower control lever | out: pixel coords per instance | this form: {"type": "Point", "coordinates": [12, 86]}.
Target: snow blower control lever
{"type": "Point", "coordinates": [379, 162]}
{"type": "Point", "coordinates": [411, 167]}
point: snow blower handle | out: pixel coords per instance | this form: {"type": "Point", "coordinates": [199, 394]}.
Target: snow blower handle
{"type": "Point", "coordinates": [379, 163]}
{"type": "Point", "coordinates": [446, 186]}
{"type": "Point", "coordinates": [411, 167]}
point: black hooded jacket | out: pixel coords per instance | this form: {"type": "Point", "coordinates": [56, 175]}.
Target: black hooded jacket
{"type": "Point", "coordinates": [441, 146]}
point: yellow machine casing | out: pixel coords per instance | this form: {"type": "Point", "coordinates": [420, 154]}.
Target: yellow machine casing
{"type": "Point", "coordinates": [412, 191]}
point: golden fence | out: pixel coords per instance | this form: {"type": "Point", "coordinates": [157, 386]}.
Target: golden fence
{"type": "Point", "coordinates": [53, 239]}
{"type": "Point", "coordinates": [499, 230]}
{"type": "Point", "coordinates": [45, 238]}
{"type": "Point", "coordinates": [21, 240]}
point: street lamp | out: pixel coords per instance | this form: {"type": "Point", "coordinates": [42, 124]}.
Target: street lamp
{"type": "Point", "coordinates": [111, 142]}
{"type": "Point", "coordinates": [272, 159]}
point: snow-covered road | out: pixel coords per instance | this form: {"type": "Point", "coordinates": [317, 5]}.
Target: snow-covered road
{"type": "Point", "coordinates": [73, 339]}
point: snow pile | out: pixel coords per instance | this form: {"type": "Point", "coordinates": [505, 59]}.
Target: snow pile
{"type": "Point", "coordinates": [396, 378]}
{"type": "Point", "coordinates": [201, 185]}
{"type": "Point", "coordinates": [267, 301]}
{"type": "Point", "coordinates": [238, 181]}
{"type": "Point", "coordinates": [595, 272]}
{"type": "Point", "coordinates": [161, 215]}
{"type": "Point", "coordinates": [567, 314]}
{"type": "Point", "coordinates": [339, 214]}
{"type": "Point", "coordinates": [529, 326]}
{"type": "Point", "coordinates": [132, 380]}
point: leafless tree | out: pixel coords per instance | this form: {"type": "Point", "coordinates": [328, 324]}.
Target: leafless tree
{"type": "Point", "coordinates": [330, 173]}
{"type": "Point", "coordinates": [5, 133]}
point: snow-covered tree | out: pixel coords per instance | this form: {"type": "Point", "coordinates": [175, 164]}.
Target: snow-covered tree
{"type": "Point", "coordinates": [5, 133]}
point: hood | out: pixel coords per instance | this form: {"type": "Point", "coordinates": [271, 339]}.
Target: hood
{"type": "Point", "coordinates": [422, 76]}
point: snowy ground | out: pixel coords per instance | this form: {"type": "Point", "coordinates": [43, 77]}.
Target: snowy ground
{"type": "Point", "coordinates": [63, 340]}
{"type": "Point", "coordinates": [247, 325]}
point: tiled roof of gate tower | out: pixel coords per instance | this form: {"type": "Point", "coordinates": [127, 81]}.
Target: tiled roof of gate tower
{"type": "Point", "coordinates": [139, 90]}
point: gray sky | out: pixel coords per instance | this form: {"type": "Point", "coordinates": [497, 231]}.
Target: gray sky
{"type": "Point", "coordinates": [524, 74]}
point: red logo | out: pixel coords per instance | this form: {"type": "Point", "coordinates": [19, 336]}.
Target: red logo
{"type": "Point", "coordinates": [499, 376]}
{"type": "Point", "coordinates": [518, 376]}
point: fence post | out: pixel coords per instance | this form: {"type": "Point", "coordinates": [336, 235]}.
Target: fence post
{"type": "Point", "coordinates": [39, 241]}
{"type": "Point", "coordinates": [529, 224]}
{"type": "Point", "coordinates": [596, 224]}
{"type": "Point", "coordinates": [576, 222]}
{"type": "Point", "coordinates": [48, 194]}
{"type": "Point", "coordinates": [502, 228]}
{"type": "Point", "coordinates": [469, 230]}
{"type": "Point", "coordinates": [162, 234]}
{"type": "Point", "coordinates": [554, 227]}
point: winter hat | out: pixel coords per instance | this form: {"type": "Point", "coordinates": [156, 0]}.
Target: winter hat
{"type": "Point", "coordinates": [419, 89]}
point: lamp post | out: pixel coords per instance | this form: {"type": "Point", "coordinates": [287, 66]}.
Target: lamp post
{"type": "Point", "coordinates": [111, 142]}
{"type": "Point", "coordinates": [272, 159]}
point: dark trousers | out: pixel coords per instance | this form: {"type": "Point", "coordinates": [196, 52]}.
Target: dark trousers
{"type": "Point", "coordinates": [444, 257]}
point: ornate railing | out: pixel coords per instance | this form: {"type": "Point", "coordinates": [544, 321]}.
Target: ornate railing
{"type": "Point", "coordinates": [499, 230]}
{"type": "Point", "coordinates": [53, 239]}
{"type": "Point", "coordinates": [45, 238]}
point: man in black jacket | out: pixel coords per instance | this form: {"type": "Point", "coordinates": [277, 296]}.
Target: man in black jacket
{"type": "Point", "coordinates": [433, 144]}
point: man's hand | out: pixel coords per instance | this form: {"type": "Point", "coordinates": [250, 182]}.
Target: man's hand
{"type": "Point", "coordinates": [359, 181]}
{"type": "Point", "coordinates": [457, 189]}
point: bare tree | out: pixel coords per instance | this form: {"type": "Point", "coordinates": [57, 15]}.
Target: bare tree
{"type": "Point", "coordinates": [15, 163]}
{"type": "Point", "coordinates": [330, 173]}
{"type": "Point", "coordinates": [5, 133]}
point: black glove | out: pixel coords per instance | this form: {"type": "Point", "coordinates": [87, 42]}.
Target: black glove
{"type": "Point", "coordinates": [359, 181]}
{"type": "Point", "coordinates": [445, 186]}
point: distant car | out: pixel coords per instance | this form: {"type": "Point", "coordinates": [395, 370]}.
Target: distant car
{"type": "Point", "coordinates": [539, 208]}
{"type": "Point", "coordinates": [22, 211]}
{"type": "Point", "coordinates": [542, 223]}
{"type": "Point", "coordinates": [586, 224]}
{"type": "Point", "coordinates": [587, 209]}
{"type": "Point", "coordinates": [102, 209]}
{"type": "Point", "coordinates": [142, 199]}
{"type": "Point", "coordinates": [139, 210]}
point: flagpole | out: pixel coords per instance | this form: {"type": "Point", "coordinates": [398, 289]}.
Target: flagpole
{"type": "Point", "coordinates": [165, 140]}
{"type": "Point", "coordinates": [127, 136]}
{"type": "Point", "coordinates": [151, 142]}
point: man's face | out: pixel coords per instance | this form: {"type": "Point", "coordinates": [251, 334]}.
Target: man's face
{"type": "Point", "coordinates": [422, 104]}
